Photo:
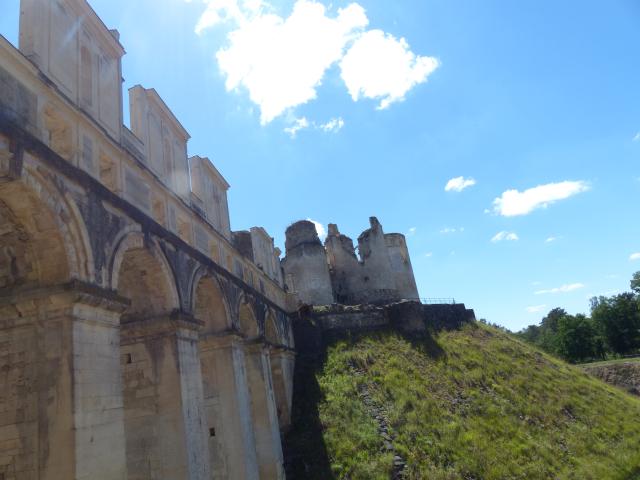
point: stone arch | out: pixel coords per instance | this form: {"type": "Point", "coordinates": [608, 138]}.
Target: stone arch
{"type": "Point", "coordinates": [41, 239]}
{"type": "Point", "coordinates": [247, 319]}
{"type": "Point", "coordinates": [208, 303]}
{"type": "Point", "coordinates": [141, 273]}
{"type": "Point", "coordinates": [129, 237]}
{"type": "Point", "coordinates": [271, 332]}
{"type": "Point", "coordinates": [41, 245]}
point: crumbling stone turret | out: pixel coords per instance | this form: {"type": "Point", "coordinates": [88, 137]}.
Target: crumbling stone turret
{"type": "Point", "coordinates": [305, 265]}
{"type": "Point", "coordinates": [382, 273]}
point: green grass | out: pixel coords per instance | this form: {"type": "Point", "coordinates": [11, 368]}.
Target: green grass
{"type": "Point", "coordinates": [472, 404]}
{"type": "Point", "coordinates": [611, 362]}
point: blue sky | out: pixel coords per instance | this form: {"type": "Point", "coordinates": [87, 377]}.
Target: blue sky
{"type": "Point", "coordinates": [509, 96]}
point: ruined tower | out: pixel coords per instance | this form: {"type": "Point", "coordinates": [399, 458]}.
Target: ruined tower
{"type": "Point", "coordinates": [401, 268]}
{"type": "Point", "coordinates": [344, 265]}
{"type": "Point", "coordinates": [305, 265]}
{"type": "Point", "coordinates": [381, 274]}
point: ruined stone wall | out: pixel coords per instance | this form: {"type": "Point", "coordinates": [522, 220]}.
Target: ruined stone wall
{"type": "Point", "coordinates": [347, 276]}
{"type": "Point", "coordinates": [406, 316]}
{"type": "Point", "coordinates": [401, 268]}
{"type": "Point", "coordinates": [305, 265]}
{"type": "Point", "coordinates": [382, 274]}
{"type": "Point", "coordinates": [379, 284]}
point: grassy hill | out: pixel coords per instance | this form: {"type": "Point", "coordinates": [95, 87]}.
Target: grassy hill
{"type": "Point", "coordinates": [468, 404]}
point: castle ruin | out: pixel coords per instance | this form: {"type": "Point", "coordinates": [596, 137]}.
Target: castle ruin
{"type": "Point", "coordinates": [323, 275]}
{"type": "Point", "coordinates": [140, 337]}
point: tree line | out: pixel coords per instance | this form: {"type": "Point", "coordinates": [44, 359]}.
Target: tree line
{"type": "Point", "coordinates": [612, 329]}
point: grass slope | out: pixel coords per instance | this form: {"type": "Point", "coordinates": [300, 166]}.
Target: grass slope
{"type": "Point", "coordinates": [469, 404]}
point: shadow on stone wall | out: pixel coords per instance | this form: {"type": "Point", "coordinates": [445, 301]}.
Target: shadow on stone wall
{"type": "Point", "coordinates": [305, 454]}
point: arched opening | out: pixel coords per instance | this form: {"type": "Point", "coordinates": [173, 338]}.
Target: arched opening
{"type": "Point", "coordinates": [32, 246]}
{"type": "Point", "coordinates": [54, 345]}
{"type": "Point", "coordinates": [248, 322]}
{"type": "Point", "coordinates": [143, 279]}
{"type": "Point", "coordinates": [150, 359]}
{"type": "Point", "coordinates": [271, 331]}
{"type": "Point", "coordinates": [263, 406]}
{"type": "Point", "coordinates": [24, 265]}
{"type": "Point", "coordinates": [209, 306]}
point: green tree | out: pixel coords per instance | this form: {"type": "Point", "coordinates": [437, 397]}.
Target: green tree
{"type": "Point", "coordinates": [576, 338]}
{"type": "Point", "coordinates": [635, 283]}
{"type": "Point", "coordinates": [618, 319]}
{"type": "Point", "coordinates": [550, 321]}
{"type": "Point", "coordinates": [531, 334]}
{"type": "Point", "coordinates": [548, 339]}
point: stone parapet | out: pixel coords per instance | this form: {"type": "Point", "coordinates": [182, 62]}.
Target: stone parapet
{"type": "Point", "coordinates": [405, 316]}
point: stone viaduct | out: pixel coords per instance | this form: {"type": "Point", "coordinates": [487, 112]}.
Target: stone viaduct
{"type": "Point", "coordinates": [139, 337]}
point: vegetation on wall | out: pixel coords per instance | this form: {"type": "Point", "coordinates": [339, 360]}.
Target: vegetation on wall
{"type": "Point", "coordinates": [613, 329]}
{"type": "Point", "coordinates": [474, 403]}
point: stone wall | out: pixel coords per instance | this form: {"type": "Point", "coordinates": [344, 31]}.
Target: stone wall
{"type": "Point", "coordinates": [625, 375]}
{"type": "Point", "coordinates": [401, 268]}
{"type": "Point", "coordinates": [405, 316]}
{"type": "Point", "coordinates": [381, 275]}
{"type": "Point", "coordinates": [305, 265]}
{"type": "Point", "coordinates": [340, 317]}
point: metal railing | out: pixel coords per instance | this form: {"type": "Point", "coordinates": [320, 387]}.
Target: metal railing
{"type": "Point", "coordinates": [438, 301]}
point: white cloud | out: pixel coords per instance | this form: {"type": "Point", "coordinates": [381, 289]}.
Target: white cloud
{"type": "Point", "coordinates": [428, 254]}
{"type": "Point", "coordinates": [219, 11]}
{"type": "Point", "coordinates": [551, 239]}
{"type": "Point", "coordinates": [281, 61]}
{"type": "Point", "coordinates": [636, 138]}
{"type": "Point", "coordinates": [322, 232]}
{"type": "Point", "coordinates": [333, 125]}
{"type": "Point", "coordinates": [379, 66]}
{"type": "Point", "coordinates": [505, 236]}
{"type": "Point", "coordinates": [562, 289]}
{"type": "Point", "coordinates": [634, 256]}
{"type": "Point", "coordinates": [446, 230]}
{"type": "Point", "coordinates": [298, 124]}
{"type": "Point", "coordinates": [458, 184]}
{"type": "Point", "coordinates": [412, 231]}
{"type": "Point", "coordinates": [513, 203]}
{"type": "Point", "coordinates": [536, 308]}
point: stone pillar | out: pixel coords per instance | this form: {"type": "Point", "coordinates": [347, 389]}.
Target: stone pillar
{"type": "Point", "coordinates": [282, 365]}
{"type": "Point", "coordinates": [61, 408]}
{"type": "Point", "coordinates": [163, 400]}
{"type": "Point", "coordinates": [264, 413]}
{"type": "Point", "coordinates": [231, 439]}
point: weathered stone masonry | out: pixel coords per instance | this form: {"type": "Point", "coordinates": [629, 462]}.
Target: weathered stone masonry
{"type": "Point", "coordinates": [136, 340]}
{"type": "Point", "coordinates": [140, 338]}
{"type": "Point", "coordinates": [322, 275]}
